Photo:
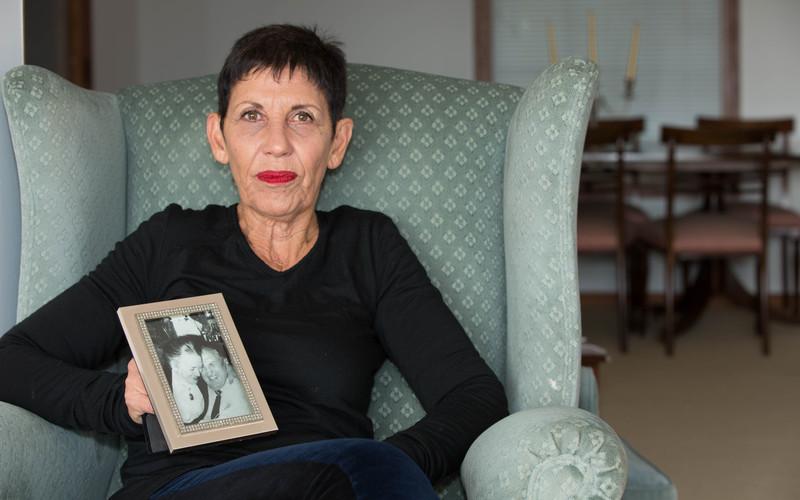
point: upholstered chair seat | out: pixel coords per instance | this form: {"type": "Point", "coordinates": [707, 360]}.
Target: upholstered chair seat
{"type": "Point", "coordinates": [781, 220]}
{"type": "Point", "coordinates": [707, 233]}
{"type": "Point", "coordinates": [597, 226]}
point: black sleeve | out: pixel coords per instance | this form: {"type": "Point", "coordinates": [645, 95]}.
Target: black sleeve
{"type": "Point", "coordinates": [461, 395]}
{"type": "Point", "coordinates": [50, 363]}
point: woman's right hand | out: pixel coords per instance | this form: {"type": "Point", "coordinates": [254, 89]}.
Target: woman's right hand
{"type": "Point", "coordinates": [136, 398]}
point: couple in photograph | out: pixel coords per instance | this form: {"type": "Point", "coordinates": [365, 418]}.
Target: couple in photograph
{"type": "Point", "coordinates": [204, 384]}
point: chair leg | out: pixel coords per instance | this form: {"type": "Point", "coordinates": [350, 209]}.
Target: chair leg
{"type": "Point", "coordinates": [797, 277]}
{"type": "Point", "coordinates": [622, 300]}
{"type": "Point", "coordinates": [636, 269]}
{"type": "Point", "coordinates": [685, 269]}
{"type": "Point", "coordinates": [669, 306]}
{"type": "Point", "coordinates": [785, 272]}
{"type": "Point", "coordinates": [764, 306]}
{"type": "Point", "coordinates": [759, 324]}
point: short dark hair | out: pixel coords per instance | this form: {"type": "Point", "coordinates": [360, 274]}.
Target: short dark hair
{"type": "Point", "coordinates": [280, 46]}
{"type": "Point", "coordinates": [218, 347]}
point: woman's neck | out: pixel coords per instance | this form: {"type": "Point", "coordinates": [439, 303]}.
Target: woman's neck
{"type": "Point", "coordinates": [279, 244]}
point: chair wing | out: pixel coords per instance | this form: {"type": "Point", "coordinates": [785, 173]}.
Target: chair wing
{"type": "Point", "coordinates": [70, 153]}
{"type": "Point", "coordinates": [545, 144]}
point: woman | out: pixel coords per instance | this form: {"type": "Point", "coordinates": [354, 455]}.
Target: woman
{"type": "Point", "coordinates": [185, 366]}
{"type": "Point", "coordinates": [320, 300]}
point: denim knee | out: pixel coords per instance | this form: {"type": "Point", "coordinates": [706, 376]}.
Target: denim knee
{"type": "Point", "coordinates": [381, 470]}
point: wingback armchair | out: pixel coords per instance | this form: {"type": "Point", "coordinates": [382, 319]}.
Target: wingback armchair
{"type": "Point", "coordinates": [481, 178]}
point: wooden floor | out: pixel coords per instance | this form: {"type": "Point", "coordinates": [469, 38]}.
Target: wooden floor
{"type": "Point", "coordinates": [719, 418]}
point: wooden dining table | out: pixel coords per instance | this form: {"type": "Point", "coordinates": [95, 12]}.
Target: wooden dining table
{"type": "Point", "coordinates": [704, 175]}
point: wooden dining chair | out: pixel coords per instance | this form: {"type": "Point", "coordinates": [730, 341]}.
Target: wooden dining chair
{"type": "Point", "coordinates": [782, 222]}
{"type": "Point", "coordinates": [713, 232]}
{"type": "Point", "coordinates": [606, 223]}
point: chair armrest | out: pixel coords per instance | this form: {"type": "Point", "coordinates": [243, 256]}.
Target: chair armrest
{"type": "Point", "coordinates": [41, 460]}
{"type": "Point", "coordinates": [546, 454]}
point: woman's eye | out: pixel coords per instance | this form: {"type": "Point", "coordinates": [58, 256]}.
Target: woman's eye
{"type": "Point", "coordinates": [250, 115]}
{"type": "Point", "coordinates": [304, 116]}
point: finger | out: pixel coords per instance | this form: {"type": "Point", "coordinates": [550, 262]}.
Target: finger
{"type": "Point", "coordinates": [136, 398]}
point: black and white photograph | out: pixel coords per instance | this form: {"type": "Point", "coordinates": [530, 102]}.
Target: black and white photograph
{"type": "Point", "coordinates": [195, 369]}
{"type": "Point", "coordinates": [192, 354]}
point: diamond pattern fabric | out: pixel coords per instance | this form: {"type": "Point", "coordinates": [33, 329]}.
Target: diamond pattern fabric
{"type": "Point", "coordinates": [60, 131]}
{"type": "Point", "coordinates": [169, 160]}
{"type": "Point", "coordinates": [543, 157]}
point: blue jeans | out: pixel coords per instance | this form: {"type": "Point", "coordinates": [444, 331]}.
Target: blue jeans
{"type": "Point", "coordinates": [333, 469]}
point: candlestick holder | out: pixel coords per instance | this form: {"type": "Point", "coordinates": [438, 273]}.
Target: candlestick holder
{"type": "Point", "coordinates": [630, 84]}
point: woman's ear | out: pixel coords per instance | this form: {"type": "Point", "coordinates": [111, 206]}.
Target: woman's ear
{"type": "Point", "coordinates": [341, 138]}
{"type": "Point", "coordinates": [215, 138]}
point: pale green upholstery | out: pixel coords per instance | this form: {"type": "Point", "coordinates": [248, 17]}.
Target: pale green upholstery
{"type": "Point", "coordinates": [70, 150]}
{"type": "Point", "coordinates": [487, 200]}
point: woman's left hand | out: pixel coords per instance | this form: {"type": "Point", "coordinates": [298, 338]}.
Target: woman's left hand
{"type": "Point", "coordinates": [136, 398]}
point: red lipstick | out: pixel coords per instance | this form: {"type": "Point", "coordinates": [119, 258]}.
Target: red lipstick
{"type": "Point", "coordinates": [276, 176]}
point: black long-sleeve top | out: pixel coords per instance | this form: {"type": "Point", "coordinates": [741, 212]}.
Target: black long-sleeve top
{"type": "Point", "coordinates": [315, 334]}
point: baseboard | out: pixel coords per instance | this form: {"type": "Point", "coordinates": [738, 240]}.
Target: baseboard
{"type": "Point", "coordinates": [610, 298]}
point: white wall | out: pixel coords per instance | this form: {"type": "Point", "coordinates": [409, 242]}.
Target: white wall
{"type": "Point", "coordinates": [10, 56]}
{"type": "Point", "coordinates": [769, 87]}
{"type": "Point", "coordinates": [770, 64]}
{"type": "Point", "coordinates": [769, 58]}
{"type": "Point", "coordinates": [152, 40]}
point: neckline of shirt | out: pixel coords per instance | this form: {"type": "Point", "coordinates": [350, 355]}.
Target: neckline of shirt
{"type": "Point", "coordinates": [241, 240]}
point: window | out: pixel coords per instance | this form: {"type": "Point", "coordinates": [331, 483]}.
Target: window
{"type": "Point", "coordinates": [679, 58]}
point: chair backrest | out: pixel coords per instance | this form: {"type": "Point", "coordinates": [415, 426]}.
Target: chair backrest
{"type": "Point", "coordinates": [618, 135]}
{"type": "Point", "coordinates": [711, 137]}
{"type": "Point", "coordinates": [782, 127]}
{"type": "Point", "coordinates": [609, 132]}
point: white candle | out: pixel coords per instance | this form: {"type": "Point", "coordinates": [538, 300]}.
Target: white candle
{"type": "Point", "coordinates": [551, 43]}
{"type": "Point", "coordinates": [633, 55]}
{"type": "Point", "coordinates": [592, 36]}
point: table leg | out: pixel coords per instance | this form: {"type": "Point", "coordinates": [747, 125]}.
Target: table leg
{"type": "Point", "coordinates": [695, 297]}
{"type": "Point", "coordinates": [737, 294]}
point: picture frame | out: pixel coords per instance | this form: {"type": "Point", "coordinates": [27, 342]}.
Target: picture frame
{"type": "Point", "coordinates": [196, 371]}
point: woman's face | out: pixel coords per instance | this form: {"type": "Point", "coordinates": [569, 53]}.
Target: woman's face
{"type": "Point", "coordinates": [279, 140]}
{"type": "Point", "coordinates": [188, 365]}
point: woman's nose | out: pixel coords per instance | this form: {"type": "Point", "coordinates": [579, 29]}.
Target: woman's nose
{"type": "Point", "coordinates": [276, 139]}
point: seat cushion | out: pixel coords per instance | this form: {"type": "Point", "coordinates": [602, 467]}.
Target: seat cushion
{"type": "Point", "coordinates": [706, 233]}
{"type": "Point", "coordinates": [597, 226]}
{"type": "Point", "coordinates": [779, 219]}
